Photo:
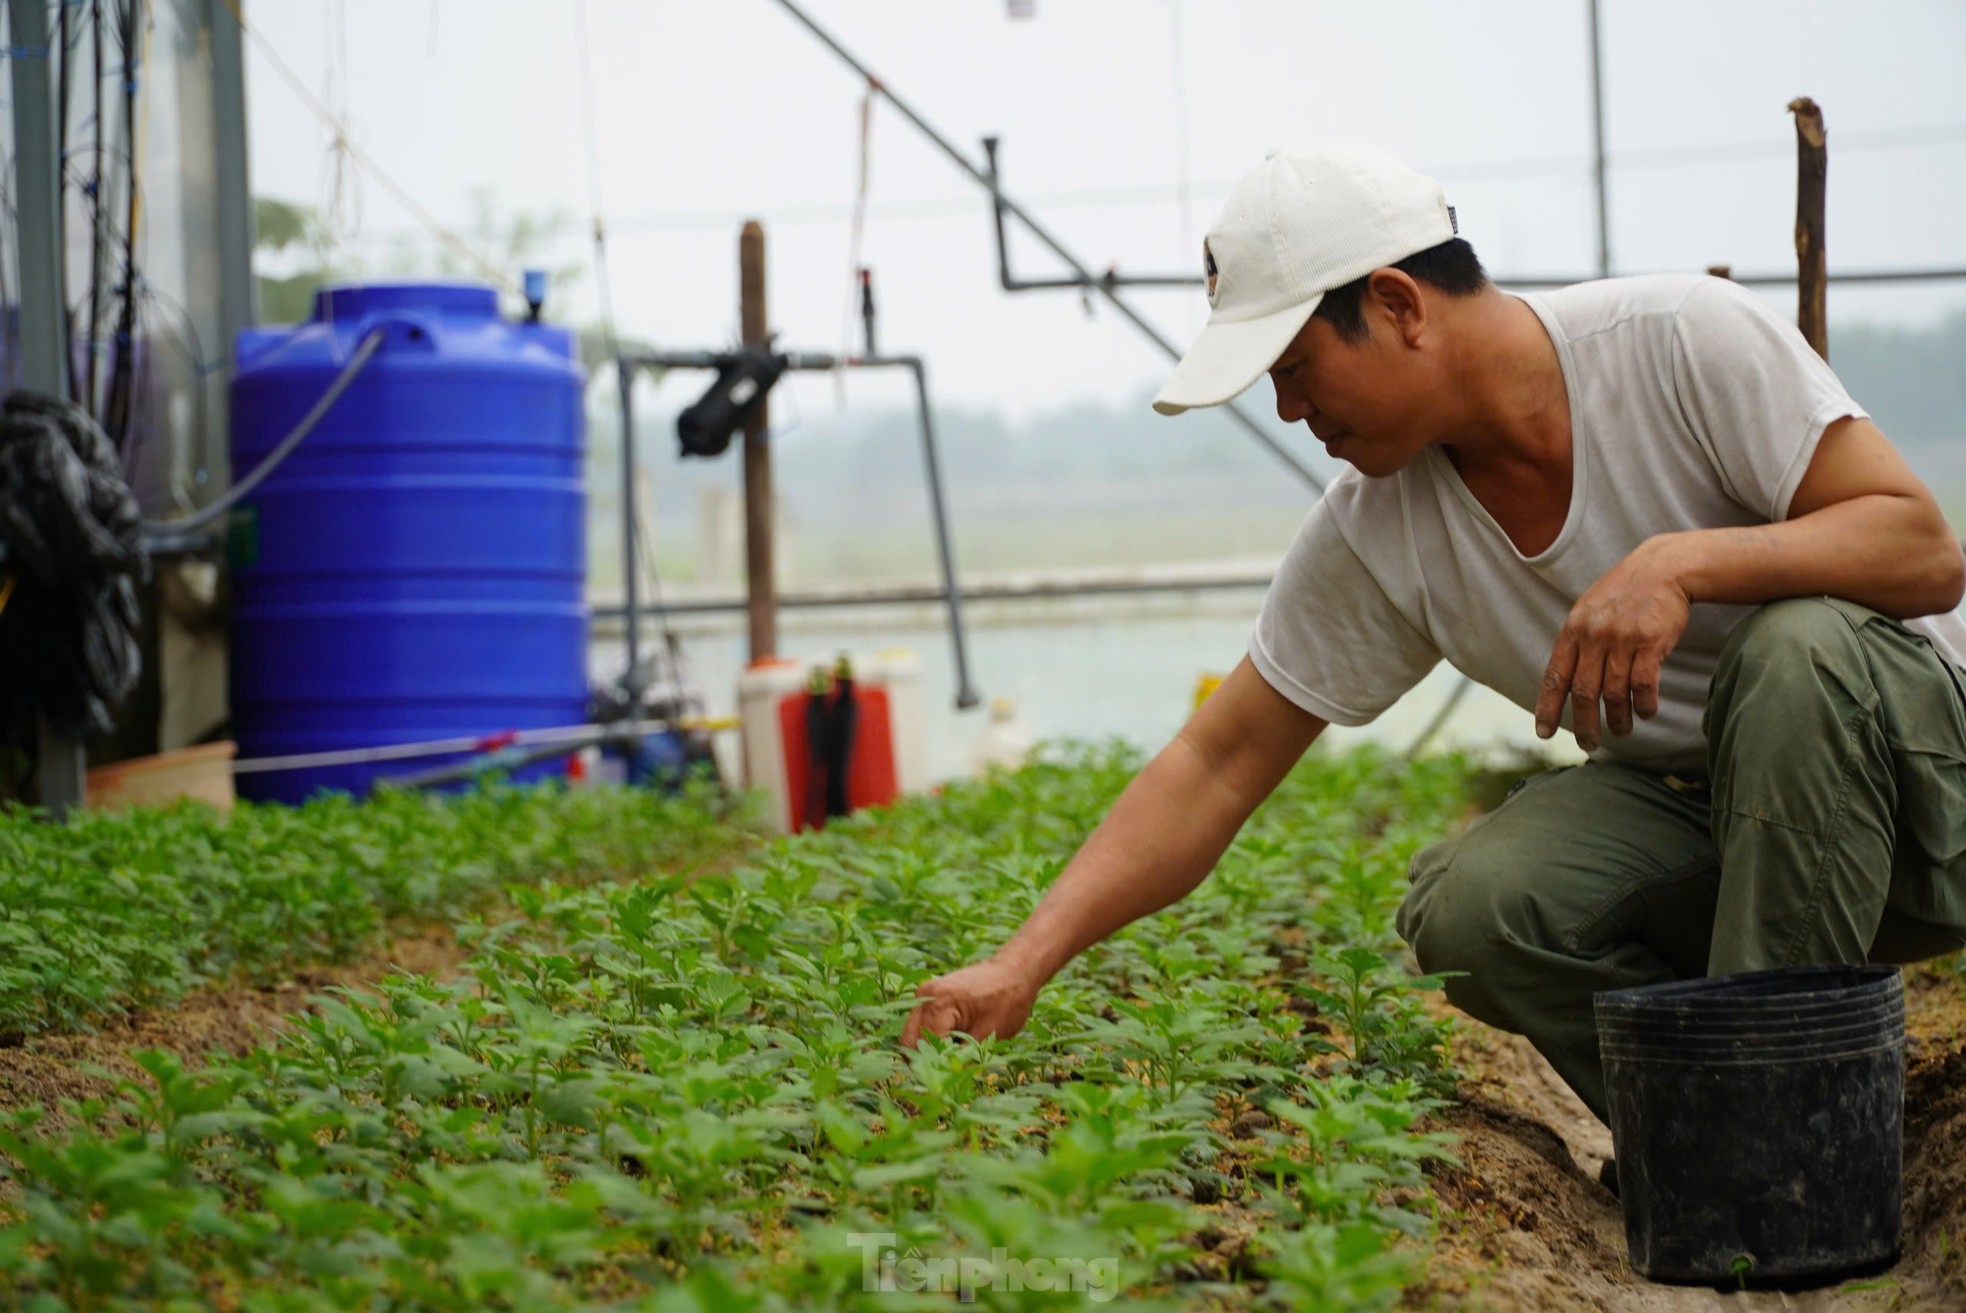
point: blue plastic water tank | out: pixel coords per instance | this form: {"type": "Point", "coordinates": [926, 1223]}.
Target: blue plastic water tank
{"type": "Point", "coordinates": [415, 570]}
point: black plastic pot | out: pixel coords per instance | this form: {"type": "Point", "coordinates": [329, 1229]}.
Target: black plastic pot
{"type": "Point", "coordinates": [1758, 1122]}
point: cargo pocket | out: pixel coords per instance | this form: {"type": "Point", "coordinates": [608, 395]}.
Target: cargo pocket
{"type": "Point", "coordinates": [1924, 698]}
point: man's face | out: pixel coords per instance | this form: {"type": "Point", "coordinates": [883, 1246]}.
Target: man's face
{"type": "Point", "coordinates": [1365, 401]}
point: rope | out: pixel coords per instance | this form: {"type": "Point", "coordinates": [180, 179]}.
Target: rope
{"type": "Point", "coordinates": [491, 272]}
{"type": "Point", "coordinates": [1182, 163]}
{"type": "Point", "coordinates": [591, 141]}
{"type": "Point", "coordinates": [341, 199]}
{"type": "Point", "coordinates": [591, 134]}
{"type": "Point", "coordinates": [856, 234]}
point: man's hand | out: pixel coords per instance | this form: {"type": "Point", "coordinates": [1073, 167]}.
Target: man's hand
{"type": "Point", "coordinates": [1610, 649]}
{"type": "Point", "coordinates": [991, 997]}
{"type": "Point", "coordinates": [1169, 827]}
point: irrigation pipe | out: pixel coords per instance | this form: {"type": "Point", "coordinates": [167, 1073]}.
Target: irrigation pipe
{"type": "Point", "coordinates": [562, 736]}
{"type": "Point", "coordinates": [245, 487]}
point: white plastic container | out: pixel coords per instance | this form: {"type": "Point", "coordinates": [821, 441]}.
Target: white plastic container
{"type": "Point", "coordinates": [890, 752]}
{"type": "Point", "coordinates": [1006, 740]}
{"type": "Point", "coordinates": [899, 671]}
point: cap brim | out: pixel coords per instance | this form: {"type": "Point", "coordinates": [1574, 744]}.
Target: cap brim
{"type": "Point", "coordinates": [1227, 358]}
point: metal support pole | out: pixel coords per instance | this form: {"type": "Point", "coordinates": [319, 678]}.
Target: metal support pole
{"type": "Point", "coordinates": [965, 692]}
{"type": "Point", "coordinates": [822, 362]}
{"type": "Point", "coordinates": [44, 364]}
{"type": "Point", "coordinates": [1597, 145]}
{"type": "Point", "coordinates": [238, 293]}
{"type": "Point", "coordinates": [758, 535]}
{"type": "Point", "coordinates": [631, 681]}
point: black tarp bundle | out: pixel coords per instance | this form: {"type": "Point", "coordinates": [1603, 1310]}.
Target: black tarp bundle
{"type": "Point", "coordinates": [73, 536]}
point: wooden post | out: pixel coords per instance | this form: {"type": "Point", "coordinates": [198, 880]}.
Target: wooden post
{"type": "Point", "coordinates": [1811, 188]}
{"type": "Point", "coordinates": [762, 586]}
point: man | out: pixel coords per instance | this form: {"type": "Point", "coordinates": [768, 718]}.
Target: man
{"type": "Point", "coordinates": [1641, 509]}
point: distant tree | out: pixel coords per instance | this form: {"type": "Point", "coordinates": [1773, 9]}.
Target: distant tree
{"type": "Point", "coordinates": [292, 234]}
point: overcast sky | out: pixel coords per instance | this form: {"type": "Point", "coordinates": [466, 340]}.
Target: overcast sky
{"type": "Point", "coordinates": [711, 110]}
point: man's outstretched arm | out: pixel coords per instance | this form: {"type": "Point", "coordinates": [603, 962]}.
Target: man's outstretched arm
{"type": "Point", "coordinates": [1161, 839]}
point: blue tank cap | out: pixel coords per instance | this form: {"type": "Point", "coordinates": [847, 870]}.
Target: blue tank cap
{"type": "Point", "coordinates": [352, 301]}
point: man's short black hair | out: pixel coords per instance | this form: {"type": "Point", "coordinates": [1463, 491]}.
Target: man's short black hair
{"type": "Point", "coordinates": [1450, 267]}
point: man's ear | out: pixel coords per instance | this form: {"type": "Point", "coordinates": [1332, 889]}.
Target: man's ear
{"type": "Point", "coordinates": [1395, 295]}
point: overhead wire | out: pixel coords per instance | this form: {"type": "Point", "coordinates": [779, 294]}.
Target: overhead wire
{"type": "Point", "coordinates": [1122, 197]}
{"type": "Point", "coordinates": [341, 196]}
{"type": "Point", "coordinates": [1182, 162]}
{"type": "Point", "coordinates": [604, 295]}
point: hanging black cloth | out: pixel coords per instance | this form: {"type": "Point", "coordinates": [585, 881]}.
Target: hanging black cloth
{"type": "Point", "coordinates": [73, 535]}
{"type": "Point", "coordinates": [832, 718]}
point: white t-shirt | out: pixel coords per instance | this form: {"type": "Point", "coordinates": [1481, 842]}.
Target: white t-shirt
{"type": "Point", "coordinates": [1693, 405]}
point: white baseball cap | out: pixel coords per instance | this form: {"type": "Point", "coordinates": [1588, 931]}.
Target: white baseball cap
{"type": "Point", "coordinates": [1294, 228]}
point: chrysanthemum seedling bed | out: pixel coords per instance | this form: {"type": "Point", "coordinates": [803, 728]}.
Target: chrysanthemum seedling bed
{"type": "Point", "coordinates": [692, 1091]}
{"type": "Point", "coordinates": [112, 913]}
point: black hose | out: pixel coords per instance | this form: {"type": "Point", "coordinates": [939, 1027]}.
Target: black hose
{"type": "Point", "coordinates": [121, 406]}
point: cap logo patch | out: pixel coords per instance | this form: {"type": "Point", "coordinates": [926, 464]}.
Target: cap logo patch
{"type": "Point", "coordinates": [1208, 266]}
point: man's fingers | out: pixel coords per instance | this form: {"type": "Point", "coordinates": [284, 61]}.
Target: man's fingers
{"type": "Point", "coordinates": [1617, 693]}
{"type": "Point", "coordinates": [1645, 683]}
{"type": "Point", "coordinates": [911, 1030]}
{"type": "Point", "coordinates": [934, 1016]}
{"type": "Point", "coordinates": [1586, 682]}
{"type": "Point", "coordinates": [1556, 683]}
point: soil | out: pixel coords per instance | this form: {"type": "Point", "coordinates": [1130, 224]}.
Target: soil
{"type": "Point", "coordinates": [45, 1069]}
{"type": "Point", "coordinates": [1525, 1225]}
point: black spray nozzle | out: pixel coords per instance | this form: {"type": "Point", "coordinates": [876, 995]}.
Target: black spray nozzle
{"type": "Point", "coordinates": [867, 312]}
{"type": "Point", "coordinates": [744, 377]}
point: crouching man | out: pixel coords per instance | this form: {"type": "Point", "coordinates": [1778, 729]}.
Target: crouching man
{"type": "Point", "coordinates": [1643, 510]}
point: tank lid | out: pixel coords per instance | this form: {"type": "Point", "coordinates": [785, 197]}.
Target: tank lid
{"type": "Point", "coordinates": [348, 301]}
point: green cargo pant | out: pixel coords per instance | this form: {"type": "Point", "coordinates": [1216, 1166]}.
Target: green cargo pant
{"type": "Point", "coordinates": [1830, 828]}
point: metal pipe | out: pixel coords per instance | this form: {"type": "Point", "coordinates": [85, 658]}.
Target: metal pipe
{"type": "Point", "coordinates": [823, 362]}
{"type": "Point", "coordinates": [921, 595]}
{"type": "Point", "coordinates": [631, 680]}
{"type": "Point", "coordinates": [1440, 718]}
{"type": "Point", "coordinates": [509, 758]}
{"type": "Point", "coordinates": [965, 692]}
{"type": "Point", "coordinates": [561, 737]}
{"type": "Point", "coordinates": [1765, 280]}
{"type": "Point", "coordinates": [1088, 279]}
{"type": "Point", "coordinates": [1598, 175]}
{"type": "Point", "coordinates": [238, 290]}
{"type": "Point", "coordinates": [44, 355]}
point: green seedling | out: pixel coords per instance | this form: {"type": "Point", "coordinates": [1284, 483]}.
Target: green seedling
{"type": "Point", "coordinates": [656, 1086]}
